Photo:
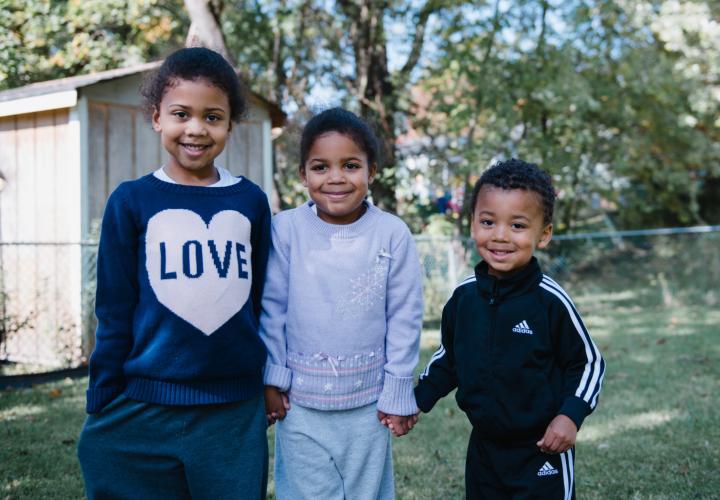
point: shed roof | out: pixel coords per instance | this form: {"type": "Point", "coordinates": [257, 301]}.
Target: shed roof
{"type": "Point", "coordinates": [72, 83]}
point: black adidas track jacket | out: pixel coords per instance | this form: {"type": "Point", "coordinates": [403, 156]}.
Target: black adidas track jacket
{"type": "Point", "coordinates": [518, 353]}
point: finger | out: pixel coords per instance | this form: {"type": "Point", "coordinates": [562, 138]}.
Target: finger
{"type": "Point", "coordinates": [554, 445]}
{"type": "Point", "coordinates": [286, 401]}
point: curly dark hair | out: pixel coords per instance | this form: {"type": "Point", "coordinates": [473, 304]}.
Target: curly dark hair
{"type": "Point", "coordinates": [343, 122]}
{"type": "Point", "coordinates": [517, 174]}
{"type": "Point", "coordinates": [192, 64]}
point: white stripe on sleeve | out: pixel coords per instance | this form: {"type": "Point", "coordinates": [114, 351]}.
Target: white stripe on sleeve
{"type": "Point", "coordinates": [437, 355]}
{"type": "Point", "coordinates": [592, 375]}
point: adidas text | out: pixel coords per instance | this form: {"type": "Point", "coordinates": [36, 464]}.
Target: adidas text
{"type": "Point", "coordinates": [522, 327]}
{"type": "Point", "coordinates": [547, 470]}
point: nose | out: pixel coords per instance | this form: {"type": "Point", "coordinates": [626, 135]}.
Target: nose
{"type": "Point", "coordinates": [500, 232]}
{"type": "Point", "coordinates": [195, 127]}
{"type": "Point", "coordinates": [337, 175]}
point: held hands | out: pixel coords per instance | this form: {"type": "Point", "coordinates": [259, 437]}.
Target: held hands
{"type": "Point", "coordinates": [559, 436]}
{"type": "Point", "coordinates": [399, 425]}
{"type": "Point", "coordinates": [276, 404]}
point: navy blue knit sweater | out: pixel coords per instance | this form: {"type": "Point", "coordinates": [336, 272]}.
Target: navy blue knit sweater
{"type": "Point", "coordinates": [179, 283]}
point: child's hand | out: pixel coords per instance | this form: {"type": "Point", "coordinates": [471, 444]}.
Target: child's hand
{"type": "Point", "coordinates": [559, 436]}
{"type": "Point", "coordinates": [276, 404]}
{"type": "Point", "coordinates": [399, 425]}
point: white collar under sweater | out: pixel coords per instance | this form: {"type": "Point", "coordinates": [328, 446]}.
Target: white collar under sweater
{"type": "Point", "coordinates": [225, 177]}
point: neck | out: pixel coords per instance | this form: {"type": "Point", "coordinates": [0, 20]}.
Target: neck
{"type": "Point", "coordinates": [202, 177]}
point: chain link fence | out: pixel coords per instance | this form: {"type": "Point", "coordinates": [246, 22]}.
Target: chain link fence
{"type": "Point", "coordinates": [47, 294]}
{"type": "Point", "coordinates": [651, 268]}
{"type": "Point", "coordinates": [48, 290]}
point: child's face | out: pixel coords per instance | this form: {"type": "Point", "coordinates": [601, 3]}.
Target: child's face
{"type": "Point", "coordinates": [337, 176]}
{"type": "Point", "coordinates": [507, 226]}
{"type": "Point", "coordinates": [193, 120]}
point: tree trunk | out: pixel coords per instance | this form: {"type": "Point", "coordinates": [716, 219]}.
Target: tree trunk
{"type": "Point", "coordinates": [205, 26]}
{"type": "Point", "coordinates": [373, 86]}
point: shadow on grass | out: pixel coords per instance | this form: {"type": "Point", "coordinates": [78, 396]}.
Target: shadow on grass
{"type": "Point", "coordinates": [654, 434]}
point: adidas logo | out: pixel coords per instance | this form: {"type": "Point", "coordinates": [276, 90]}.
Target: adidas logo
{"type": "Point", "coordinates": [522, 327]}
{"type": "Point", "coordinates": [547, 470]}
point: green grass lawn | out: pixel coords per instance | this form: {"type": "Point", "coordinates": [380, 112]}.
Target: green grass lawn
{"type": "Point", "coordinates": [656, 432]}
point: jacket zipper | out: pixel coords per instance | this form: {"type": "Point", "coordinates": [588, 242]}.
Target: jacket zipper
{"type": "Point", "coordinates": [493, 303]}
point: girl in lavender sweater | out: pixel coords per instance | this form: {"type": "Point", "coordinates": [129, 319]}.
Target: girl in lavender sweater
{"type": "Point", "coordinates": [341, 318]}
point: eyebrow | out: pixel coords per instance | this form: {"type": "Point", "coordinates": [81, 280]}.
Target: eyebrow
{"type": "Point", "coordinates": [341, 159]}
{"type": "Point", "coordinates": [515, 216]}
{"type": "Point", "coordinates": [183, 106]}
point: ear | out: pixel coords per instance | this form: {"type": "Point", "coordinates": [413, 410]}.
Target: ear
{"type": "Point", "coordinates": [546, 236]}
{"type": "Point", "coordinates": [303, 176]}
{"type": "Point", "coordinates": [229, 128]}
{"type": "Point", "coordinates": [156, 120]}
{"type": "Point", "coordinates": [372, 171]}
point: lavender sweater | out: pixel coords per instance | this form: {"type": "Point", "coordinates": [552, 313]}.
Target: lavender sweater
{"type": "Point", "coordinates": [342, 311]}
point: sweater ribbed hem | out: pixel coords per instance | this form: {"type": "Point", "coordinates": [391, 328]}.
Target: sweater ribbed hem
{"type": "Point", "coordinates": [277, 376]}
{"type": "Point", "coordinates": [327, 382]}
{"type": "Point", "coordinates": [98, 398]}
{"type": "Point", "coordinates": [195, 393]}
{"type": "Point", "coordinates": [397, 397]}
{"type": "Point", "coordinates": [340, 231]}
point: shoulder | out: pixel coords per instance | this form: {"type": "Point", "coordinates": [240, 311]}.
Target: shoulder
{"type": "Point", "coordinates": [127, 193]}
{"type": "Point", "coordinates": [466, 284]}
{"type": "Point", "coordinates": [253, 191]}
{"type": "Point", "coordinates": [286, 218]}
{"type": "Point", "coordinates": [554, 293]}
{"type": "Point", "coordinates": [251, 187]}
{"type": "Point", "coordinates": [392, 222]}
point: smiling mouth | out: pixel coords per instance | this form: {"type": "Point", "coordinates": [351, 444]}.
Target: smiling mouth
{"type": "Point", "coordinates": [500, 253]}
{"type": "Point", "coordinates": [195, 147]}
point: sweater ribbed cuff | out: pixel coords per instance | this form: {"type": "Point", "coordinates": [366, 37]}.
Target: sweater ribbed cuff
{"type": "Point", "coordinates": [277, 376]}
{"type": "Point", "coordinates": [397, 397]}
{"type": "Point", "coordinates": [576, 409]}
{"type": "Point", "coordinates": [99, 397]}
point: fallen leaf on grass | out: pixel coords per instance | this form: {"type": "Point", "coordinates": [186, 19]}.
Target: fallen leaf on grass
{"type": "Point", "coordinates": [661, 341]}
{"type": "Point", "coordinates": [55, 393]}
{"type": "Point", "coordinates": [68, 441]}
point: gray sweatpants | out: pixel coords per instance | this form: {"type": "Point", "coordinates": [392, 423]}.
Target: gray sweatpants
{"type": "Point", "coordinates": [333, 455]}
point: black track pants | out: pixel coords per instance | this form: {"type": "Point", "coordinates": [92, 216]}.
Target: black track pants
{"type": "Point", "coordinates": [501, 471]}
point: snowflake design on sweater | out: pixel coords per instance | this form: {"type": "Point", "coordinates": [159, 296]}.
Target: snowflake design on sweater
{"type": "Point", "coordinates": [367, 289]}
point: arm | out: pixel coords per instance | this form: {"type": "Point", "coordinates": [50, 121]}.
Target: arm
{"type": "Point", "coordinates": [580, 360]}
{"type": "Point", "coordinates": [115, 303]}
{"type": "Point", "coordinates": [260, 240]}
{"type": "Point", "coordinates": [440, 376]}
{"type": "Point", "coordinates": [583, 370]}
{"type": "Point", "coordinates": [404, 309]}
{"type": "Point", "coordinates": [274, 312]}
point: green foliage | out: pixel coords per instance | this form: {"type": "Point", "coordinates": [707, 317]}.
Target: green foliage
{"type": "Point", "coordinates": [622, 110]}
{"type": "Point", "coordinates": [618, 100]}
{"type": "Point", "coordinates": [44, 39]}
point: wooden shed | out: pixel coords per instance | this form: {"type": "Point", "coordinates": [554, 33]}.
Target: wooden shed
{"type": "Point", "coordinates": [64, 146]}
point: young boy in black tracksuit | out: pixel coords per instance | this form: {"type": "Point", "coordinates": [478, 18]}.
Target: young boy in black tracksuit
{"type": "Point", "coordinates": [526, 370]}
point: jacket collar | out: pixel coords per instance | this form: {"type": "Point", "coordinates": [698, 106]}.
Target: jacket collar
{"type": "Point", "coordinates": [496, 290]}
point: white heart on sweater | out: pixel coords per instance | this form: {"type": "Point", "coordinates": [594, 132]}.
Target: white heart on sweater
{"type": "Point", "coordinates": [201, 272]}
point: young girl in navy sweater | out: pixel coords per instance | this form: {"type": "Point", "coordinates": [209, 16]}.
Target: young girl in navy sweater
{"type": "Point", "coordinates": [175, 393]}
